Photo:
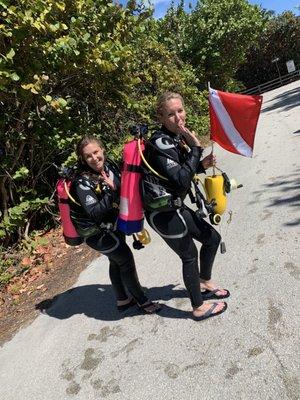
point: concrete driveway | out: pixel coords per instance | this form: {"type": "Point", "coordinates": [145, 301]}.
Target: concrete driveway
{"type": "Point", "coordinates": [81, 348]}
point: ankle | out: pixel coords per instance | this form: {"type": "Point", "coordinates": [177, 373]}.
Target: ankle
{"type": "Point", "coordinates": [199, 308]}
{"type": "Point", "coordinates": [205, 281]}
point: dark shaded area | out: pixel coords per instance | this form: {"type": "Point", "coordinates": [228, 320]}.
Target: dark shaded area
{"type": "Point", "coordinates": [286, 101]}
{"type": "Point", "coordinates": [97, 301]}
{"type": "Point", "coordinates": [280, 189]}
{"type": "Point", "coordinates": [294, 223]}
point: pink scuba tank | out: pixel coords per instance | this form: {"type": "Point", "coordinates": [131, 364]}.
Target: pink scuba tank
{"type": "Point", "coordinates": [70, 235]}
{"type": "Point", "coordinates": [131, 215]}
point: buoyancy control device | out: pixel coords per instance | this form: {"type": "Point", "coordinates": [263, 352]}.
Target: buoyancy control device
{"type": "Point", "coordinates": [213, 202]}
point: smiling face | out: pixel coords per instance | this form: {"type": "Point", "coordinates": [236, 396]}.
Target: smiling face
{"type": "Point", "coordinates": [172, 115]}
{"type": "Point", "coordinates": [93, 155]}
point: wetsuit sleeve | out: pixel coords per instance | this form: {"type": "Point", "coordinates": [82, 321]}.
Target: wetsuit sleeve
{"type": "Point", "coordinates": [200, 169]}
{"type": "Point", "coordinates": [95, 208]}
{"type": "Point", "coordinates": [179, 173]}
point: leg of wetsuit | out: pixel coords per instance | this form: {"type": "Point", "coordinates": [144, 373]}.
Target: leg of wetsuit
{"type": "Point", "coordinates": [185, 248]}
{"type": "Point", "coordinates": [168, 224]}
{"type": "Point", "coordinates": [208, 236]}
{"type": "Point", "coordinates": [113, 245]}
{"type": "Point", "coordinates": [116, 280]}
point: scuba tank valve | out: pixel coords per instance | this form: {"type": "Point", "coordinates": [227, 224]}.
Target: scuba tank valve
{"type": "Point", "coordinates": [234, 185]}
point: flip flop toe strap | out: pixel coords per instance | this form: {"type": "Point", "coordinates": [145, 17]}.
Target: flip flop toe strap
{"type": "Point", "coordinates": [209, 293]}
{"type": "Point", "coordinates": [210, 310]}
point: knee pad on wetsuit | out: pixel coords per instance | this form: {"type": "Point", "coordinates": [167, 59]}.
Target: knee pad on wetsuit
{"type": "Point", "coordinates": [105, 243]}
{"type": "Point", "coordinates": [169, 224]}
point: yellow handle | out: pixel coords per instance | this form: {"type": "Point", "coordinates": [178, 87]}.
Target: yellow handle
{"type": "Point", "coordinates": [144, 236]}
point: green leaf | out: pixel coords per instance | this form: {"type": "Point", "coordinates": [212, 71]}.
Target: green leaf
{"type": "Point", "coordinates": [47, 98]}
{"type": "Point", "coordinates": [14, 76]}
{"type": "Point", "coordinates": [21, 173]}
{"type": "Point", "coordinates": [4, 3]}
{"type": "Point", "coordinates": [86, 37]}
{"type": "Point", "coordinates": [2, 233]}
{"type": "Point", "coordinates": [10, 55]}
{"type": "Point", "coordinates": [62, 102]}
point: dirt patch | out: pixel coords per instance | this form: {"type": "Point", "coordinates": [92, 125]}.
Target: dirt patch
{"type": "Point", "coordinates": [57, 269]}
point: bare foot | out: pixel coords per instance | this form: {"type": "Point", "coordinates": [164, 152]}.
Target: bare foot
{"type": "Point", "coordinates": [200, 311]}
{"type": "Point", "coordinates": [209, 285]}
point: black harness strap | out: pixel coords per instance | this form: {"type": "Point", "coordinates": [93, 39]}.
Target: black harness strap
{"type": "Point", "coordinates": [134, 168]}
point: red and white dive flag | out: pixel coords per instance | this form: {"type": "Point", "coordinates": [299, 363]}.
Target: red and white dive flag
{"type": "Point", "coordinates": [233, 120]}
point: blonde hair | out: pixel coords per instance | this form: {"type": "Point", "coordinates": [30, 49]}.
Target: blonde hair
{"type": "Point", "coordinates": [164, 97]}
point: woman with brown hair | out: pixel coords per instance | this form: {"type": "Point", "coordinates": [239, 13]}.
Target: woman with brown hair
{"type": "Point", "coordinates": [94, 213]}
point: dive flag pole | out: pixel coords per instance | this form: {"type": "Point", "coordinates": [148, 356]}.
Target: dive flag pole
{"type": "Point", "coordinates": [211, 141]}
{"type": "Point", "coordinates": [212, 152]}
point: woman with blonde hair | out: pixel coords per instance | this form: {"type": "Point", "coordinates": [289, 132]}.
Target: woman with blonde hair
{"type": "Point", "coordinates": [175, 153]}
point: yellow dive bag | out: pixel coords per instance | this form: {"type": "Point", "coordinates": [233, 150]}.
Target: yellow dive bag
{"type": "Point", "coordinates": [216, 187]}
{"type": "Point", "coordinates": [215, 190]}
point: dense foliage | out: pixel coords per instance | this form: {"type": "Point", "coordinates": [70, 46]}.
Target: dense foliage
{"type": "Point", "coordinates": [279, 39]}
{"type": "Point", "coordinates": [70, 67]}
{"type": "Point", "coordinates": [214, 37]}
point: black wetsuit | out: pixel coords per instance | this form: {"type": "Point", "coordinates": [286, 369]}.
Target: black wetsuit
{"type": "Point", "coordinates": [94, 218]}
{"type": "Point", "coordinates": [173, 159]}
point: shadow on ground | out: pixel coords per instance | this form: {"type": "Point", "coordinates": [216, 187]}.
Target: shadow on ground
{"type": "Point", "coordinates": [97, 301]}
{"type": "Point", "coordinates": [286, 101]}
{"type": "Point", "coordinates": [284, 191]}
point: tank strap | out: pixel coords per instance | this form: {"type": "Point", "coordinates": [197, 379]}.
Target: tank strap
{"type": "Point", "coordinates": [68, 193]}
{"type": "Point", "coordinates": [63, 201]}
{"type": "Point", "coordinates": [133, 168]}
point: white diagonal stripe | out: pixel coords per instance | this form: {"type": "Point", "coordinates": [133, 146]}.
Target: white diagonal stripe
{"type": "Point", "coordinates": [224, 118]}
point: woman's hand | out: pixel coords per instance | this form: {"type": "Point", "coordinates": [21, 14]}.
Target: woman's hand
{"type": "Point", "coordinates": [209, 161]}
{"type": "Point", "coordinates": [190, 136]}
{"type": "Point", "coordinates": [107, 180]}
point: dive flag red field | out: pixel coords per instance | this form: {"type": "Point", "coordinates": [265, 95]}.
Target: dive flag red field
{"type": "Point", "coordinates": [233, 120]}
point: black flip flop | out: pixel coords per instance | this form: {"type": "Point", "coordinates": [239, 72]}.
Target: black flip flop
{"type": "Point", "coordinates": [211, 294]}
{"type": "Point", "coordinates": [209, 313]}
{"type": "Point", "coordinates": [126, 306]}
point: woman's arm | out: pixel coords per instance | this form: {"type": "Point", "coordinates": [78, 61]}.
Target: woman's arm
{"type": "Point", "coordinates": [178, 173]}
{"type": "Point", "coordinates": [94, 207]}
